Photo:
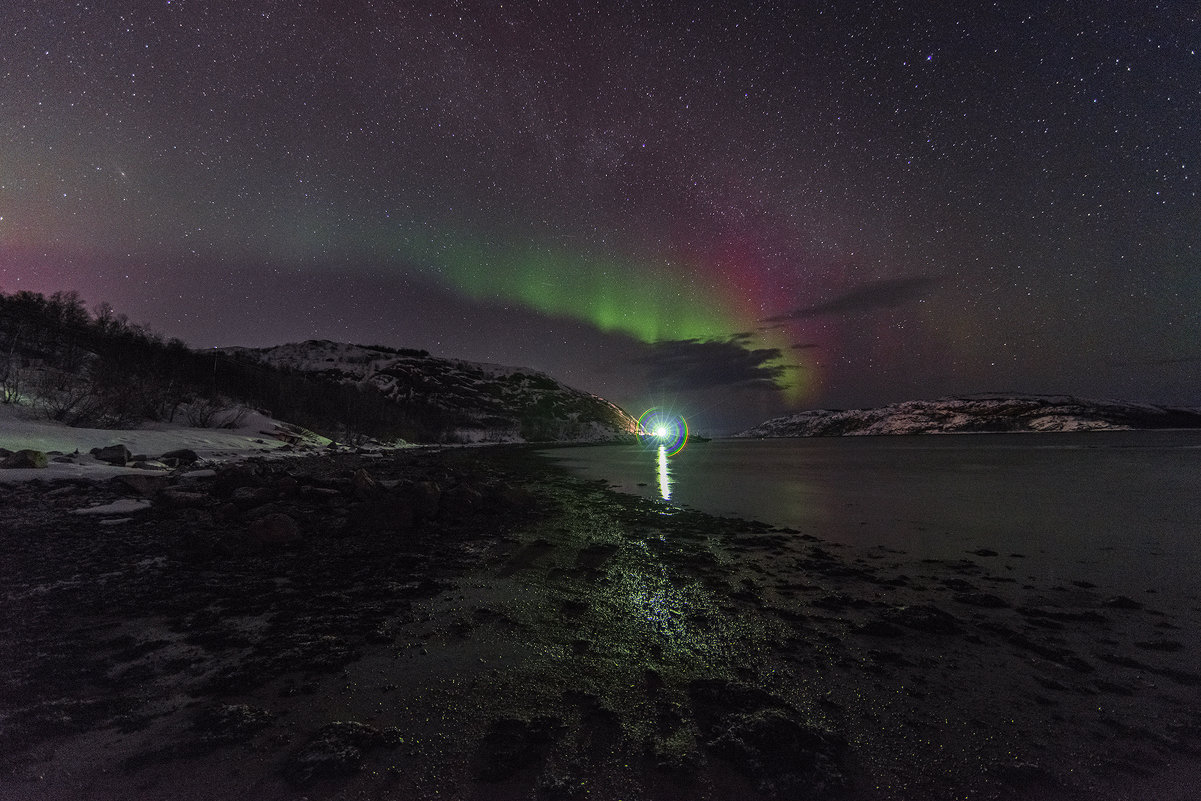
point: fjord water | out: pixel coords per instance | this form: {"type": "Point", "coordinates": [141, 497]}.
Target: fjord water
{"type": "Point", "coordinates": [1119, 509]}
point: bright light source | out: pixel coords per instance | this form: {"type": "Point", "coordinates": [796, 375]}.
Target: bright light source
{"type": "Point", "coordinates": [661, 432]}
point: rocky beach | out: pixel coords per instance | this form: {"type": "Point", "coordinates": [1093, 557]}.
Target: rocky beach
{"type": "Point", "coordinates": [478, 624]}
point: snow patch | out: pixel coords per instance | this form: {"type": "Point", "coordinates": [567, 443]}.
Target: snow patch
{"type": "Point", "coordinates": [121, 507]}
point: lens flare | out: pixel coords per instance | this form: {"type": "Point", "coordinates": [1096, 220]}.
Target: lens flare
{"type": "Point", "coordinates": [659, 428]}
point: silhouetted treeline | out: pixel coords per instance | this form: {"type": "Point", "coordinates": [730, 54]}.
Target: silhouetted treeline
{"type": "Point", "coordinates": [96, 368]}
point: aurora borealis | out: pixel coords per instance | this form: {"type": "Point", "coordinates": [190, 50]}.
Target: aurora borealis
{"type": "Point", "coordinates": [730, 210]}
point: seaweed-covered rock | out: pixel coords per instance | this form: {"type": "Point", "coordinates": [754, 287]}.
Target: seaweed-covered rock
{"type": "Point", "coordinates": [767, 740]}
{"type": "Point", "coordinates": [226, 723]}
{"type": "Point", "coordinates": [512, 744]}
{"type": "Point", "coordinates": [785, 757]}
{"type": "Point", "coordinates": [337, 749]}
{"type": "Point", "coordinates": [27, 458]}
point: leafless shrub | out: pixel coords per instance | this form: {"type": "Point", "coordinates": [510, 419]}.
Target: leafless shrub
{"type": "Point", "coordinates": [201, 412]}
{"type": "Point", "coordinates": [233, 417]}
{"type": "Point", "coordinates": [10, 381]}
{"type": "Point", "coordinates": [69, 398]}
{"type": "Point", "coordinates": [10, 375]}
{"type": "Point", "coordinates": [214, 413]}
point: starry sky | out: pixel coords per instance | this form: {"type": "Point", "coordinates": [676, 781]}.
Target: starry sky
{"type": "Point", "coordinates": [729, 209]}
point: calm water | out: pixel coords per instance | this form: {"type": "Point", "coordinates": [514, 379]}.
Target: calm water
{"type": "Point", "coordinates": [1123, 508]}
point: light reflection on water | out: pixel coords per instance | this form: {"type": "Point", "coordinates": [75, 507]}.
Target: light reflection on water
{"type": "Point", "coordinates": [664, 475]}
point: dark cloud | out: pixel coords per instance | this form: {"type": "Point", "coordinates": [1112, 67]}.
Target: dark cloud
{"type": "Point", "coordinates": [805, 346]}
{"type": "Point", "coordinates": [882, 294]}
{"type": "Point", "coordinates": [689, 364]}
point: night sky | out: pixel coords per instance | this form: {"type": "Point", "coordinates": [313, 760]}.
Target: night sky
{"type": "Point", "coordinates": [731, 211]}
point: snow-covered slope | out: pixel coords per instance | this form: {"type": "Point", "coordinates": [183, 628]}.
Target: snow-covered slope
{"type": "Point", "coordinates": [979, 413]}
{"type": "Point", "coordinates": [23, 428]}
{"type": "Point", "coordinates": [478, 402]}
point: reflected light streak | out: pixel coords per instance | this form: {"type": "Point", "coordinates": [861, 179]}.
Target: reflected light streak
{"type": "Point", "coordinates": [664, 474]}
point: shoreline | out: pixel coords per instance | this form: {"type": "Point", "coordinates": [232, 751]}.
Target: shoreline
{"type": "Point", "coordinates": [530, 634]}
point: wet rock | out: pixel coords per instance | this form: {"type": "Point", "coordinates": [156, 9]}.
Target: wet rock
{"type": "Point", "coordinates": [1160, 645]}
{"type": "Point", "coordinates": [276, 530]}
{"type": "Point", "coordinates": [1045, 649]}
{"type": "Point", "coordinates": [227, 723]}
{"type": "Point", "coordinates": [982, 599]}
{"type": "Point", "coordinates": [1121, 602]}
{"type": "Point", "coordinates": [319, 493]}
{"type": "Point", "coordinates": [150, 464]}
{"type": "Point", "coordinates": [335, 750]}
{"type": "Point", "coordinates": [183, 499]}
{"type": "Point", "coordinates": [879, 628]}
{"type": "Point", "coordinates": [1067, 615]}
{"type": "Point", "coordinates": [113, 454]}
{"type": "Point", "coordinates": [839, 600]}
{"type": "Point", "coordinates": [25, 459]}
{"type": "Point", "coordinates": [923, 617]}
{"type": "Point", "coordinates": [512, 744]}
{"type": "Point", "coordinates": [959, 585]}
{"type": "Point", "coordinates": [247, 497]}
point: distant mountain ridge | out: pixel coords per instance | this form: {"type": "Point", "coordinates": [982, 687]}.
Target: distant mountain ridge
{"type": "Point", "coordinates": [979, 413]}
{"type": "Point", "coordinates": [477, 402]}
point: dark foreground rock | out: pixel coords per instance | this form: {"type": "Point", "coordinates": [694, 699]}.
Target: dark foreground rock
{"type": "Point", "coordinates": [474, 625]}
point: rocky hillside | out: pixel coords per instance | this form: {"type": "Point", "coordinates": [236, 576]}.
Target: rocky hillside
{"type": "Point", "coordinates": [476, 402]}
{"type": "Point", "coordinates": [979, 414]}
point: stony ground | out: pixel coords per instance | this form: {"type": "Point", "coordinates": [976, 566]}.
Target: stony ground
{"type": "Point", "coordinates": [476, 625]}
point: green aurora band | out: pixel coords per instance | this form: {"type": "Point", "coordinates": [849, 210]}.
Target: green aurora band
{"type": "Point", "coordinates": [602, 291]}
{"type": "Point", "coordinates": [645, 301]}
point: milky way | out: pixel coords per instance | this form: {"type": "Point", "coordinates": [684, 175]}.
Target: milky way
{"type": "Point", "coordinates": [730, 211]}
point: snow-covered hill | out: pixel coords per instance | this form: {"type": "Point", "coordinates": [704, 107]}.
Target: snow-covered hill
{"type": "Point", "coordinates": [478, 402]}
{"type": "Point", "coordinates": [978, 414]}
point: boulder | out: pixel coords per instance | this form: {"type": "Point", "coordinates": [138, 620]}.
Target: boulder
{"type": "Point", "coordinates": [364, 485]}
{"type": "Point", "coordinates": [27, 458]}
{"type": "Point", "coordinates": [461, 498]}
{"type": "Point", "coordinates": [275, 530]}
{"type": "Point", "coordinates": [247, 497]}
{"type": "Point", "coordinates": [146, 486]}
{"type": "Point", "coordinates": [425, 495]}
{"type": "Point", "coordinates": [183, 456]}
{"type": "Point", "coordinates": [113, 454]}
